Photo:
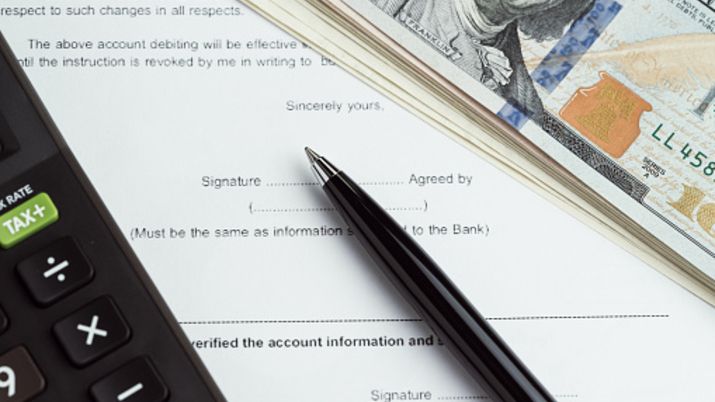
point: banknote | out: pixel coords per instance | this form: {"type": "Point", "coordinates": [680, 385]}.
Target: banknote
{"type": "Point", "coordinates": [619, 92]}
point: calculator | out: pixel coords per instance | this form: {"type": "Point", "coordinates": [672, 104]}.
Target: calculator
{"type": "Point", "coordinates": [80, 320]}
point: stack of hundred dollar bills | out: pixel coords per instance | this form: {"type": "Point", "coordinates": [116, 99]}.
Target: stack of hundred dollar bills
{"type": "Point", "coordinates": [606, 107]}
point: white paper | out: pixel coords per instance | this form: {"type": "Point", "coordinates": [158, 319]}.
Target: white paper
{"type": "Point", "coordinates": [592, 322]}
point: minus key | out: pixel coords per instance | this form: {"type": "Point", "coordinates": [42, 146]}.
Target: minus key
{"type": "Point", "coordinates": [137, 381]}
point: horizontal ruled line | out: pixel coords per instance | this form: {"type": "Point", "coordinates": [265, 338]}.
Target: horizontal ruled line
{"type": "Point", "coordinates": [313, 183]}
{"type": "Point", "coordinates": [253, 209]}
{"type": "Point", "coordinates": [485, 397]}
{"type": "Point", "coordinates": [403, 320]}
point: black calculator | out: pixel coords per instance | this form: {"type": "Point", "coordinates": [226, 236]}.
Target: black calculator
{"type": "Point", "coordinates": [80, 320]}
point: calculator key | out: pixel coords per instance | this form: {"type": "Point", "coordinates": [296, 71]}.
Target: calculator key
{"type": "Point", "coordinates": [55, 272]}
{"type": "Point", "coordinates": [137, 381]}
{"type": "Point", "coordinates": [20, 379]}
{"type": "Point", "coordinates": [92, 332]}
{"type": "Point", "coordinates": [4, 322]}
{"type": "Point", "coordinates": [27, 219]}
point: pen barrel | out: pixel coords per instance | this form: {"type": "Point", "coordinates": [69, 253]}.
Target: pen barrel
{"type": "Point", "coordinates": [434, 296]}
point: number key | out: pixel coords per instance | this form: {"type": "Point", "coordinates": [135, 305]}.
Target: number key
{"type": "Point", "coordinates": [20, 379]}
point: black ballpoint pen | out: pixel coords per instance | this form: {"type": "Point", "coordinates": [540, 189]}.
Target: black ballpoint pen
{"type": "Point", "coordinates": [436, 299]}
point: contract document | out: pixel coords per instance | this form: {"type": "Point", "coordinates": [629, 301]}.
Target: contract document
{"type": "Point", "coordinates": [191, 117]}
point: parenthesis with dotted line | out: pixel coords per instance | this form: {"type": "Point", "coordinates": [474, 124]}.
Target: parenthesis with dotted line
{"type": "Point", "coordinates": [425, 205]}
{"type": "Point", "coordinates": [250, 207]}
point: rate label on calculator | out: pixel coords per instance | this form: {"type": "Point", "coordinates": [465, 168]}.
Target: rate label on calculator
{"type": "Point", "coordinates": [27, 219]}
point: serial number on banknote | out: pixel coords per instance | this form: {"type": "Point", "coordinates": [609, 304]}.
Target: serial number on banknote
{"type": "Point", "coordinates": [690, 153]}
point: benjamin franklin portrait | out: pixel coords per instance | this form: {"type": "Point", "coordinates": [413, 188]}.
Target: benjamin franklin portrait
{"type": "Point", "coordinates": [482, 37]}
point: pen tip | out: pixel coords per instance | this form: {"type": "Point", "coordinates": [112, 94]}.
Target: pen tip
{"type": "Point", "coordinates": [312, 155]}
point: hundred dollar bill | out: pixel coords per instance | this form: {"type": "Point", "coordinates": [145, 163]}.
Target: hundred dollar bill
{"type": "Point", "coordinates": [621, 93]}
